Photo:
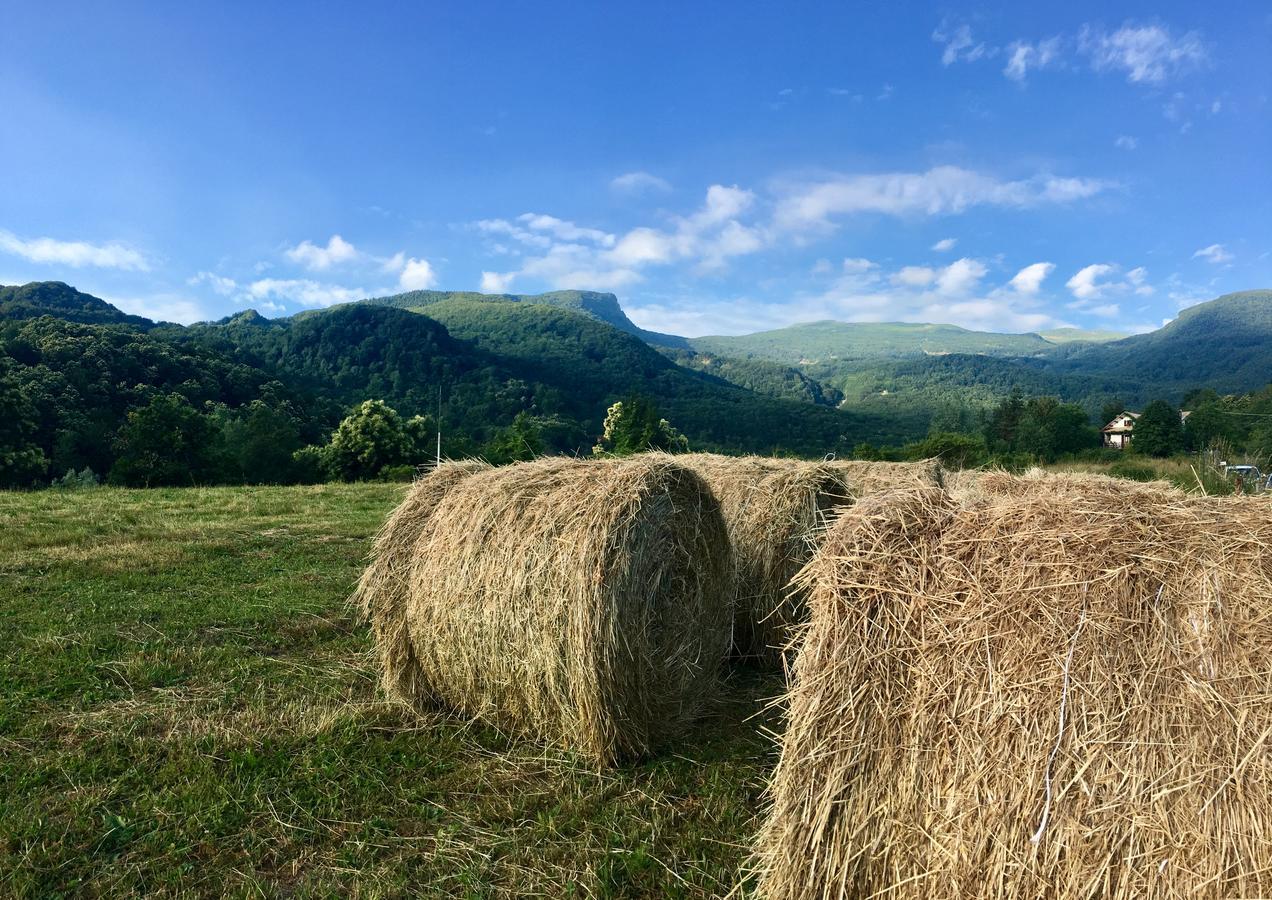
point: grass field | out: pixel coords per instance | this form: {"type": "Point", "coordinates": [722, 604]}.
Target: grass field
{"type": "Point", "coordinates": [187, 709]}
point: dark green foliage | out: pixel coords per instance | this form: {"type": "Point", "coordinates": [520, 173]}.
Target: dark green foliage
{"type": "Point", "coordinates": [166, 442]}
{"type": "Point", "coordinates": [374, 436]}
{"type": "Point", "coordinates": [21, 460]}
{"type": "Point", "coordinates": [634, 426]}
{"type": "Point", "coordinates": [530, 436]}
{"type": "Point", "coordinates": [1041, 429]}
{"type": "Point", "coordinates": [53, 298]}
{"type": "Point", "coordinates": [955, 451]}
{"type": "Point", "coordinates": [257, 441]}
{"type": "Point", "coordinates": [760, 375]}
{"type": "Point", "coordinates": [1158, 431]}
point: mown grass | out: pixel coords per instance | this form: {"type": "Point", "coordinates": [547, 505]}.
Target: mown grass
{"type": "Point", "coordinates": [187, 709]}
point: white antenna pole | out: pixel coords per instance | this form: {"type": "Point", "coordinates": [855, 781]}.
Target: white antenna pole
{"type": "Point", "coordinates": [439, 424]}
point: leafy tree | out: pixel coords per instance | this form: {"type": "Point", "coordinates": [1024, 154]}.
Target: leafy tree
{"type": "Point", "coordinates": [957, 451]}
{"type": "Point", "coordinates": [1158, 431]}
{"type": "Point", "coordinates": [1209, 421]}
{"type": "Point", "coordinates": [1003, 421]}
{"type": "Point", "coordinates": [371, 437]}
{"type": "Point", "coordinates": [21, 459]}
{"type": "Point", "coordinates": [522, 440]}
{"type": "Point", "coordinates": [257, 443]}
{"type": "Point", "coordinates": [166, 442]}
{"type": "Point", "coordinates": [633, 426]}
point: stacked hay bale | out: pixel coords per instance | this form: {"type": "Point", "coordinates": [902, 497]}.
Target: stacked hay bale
{"type": "Point", "coordinates": [1033, 692]}
{"type": "Point", "coordinates": [775, 511]}
{"type": "Point", "coordinates": [584, 603]}
{"type": "Point", "coordinates": [383, 590]}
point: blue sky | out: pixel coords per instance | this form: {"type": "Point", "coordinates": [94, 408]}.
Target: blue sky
{"type": "Point", "coordinates": [721, 167]}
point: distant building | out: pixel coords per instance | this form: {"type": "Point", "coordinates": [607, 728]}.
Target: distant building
{"type": "Point", "coordinates": [1117, 434]}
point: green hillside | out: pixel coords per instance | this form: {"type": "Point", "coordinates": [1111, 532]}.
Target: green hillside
{"type": "Point", "coordinates": [600, 364]}
{"type": "Point", "coordinates": [827, 342]}
{"type": "Point", "coordinates": [53, 298]}
{"type": "Point", "coordinates": [601, 306]}
{"type": "Point", "coordinates": [1070, 335]}
{"type": "Point", "coordinates": [1225, 344]}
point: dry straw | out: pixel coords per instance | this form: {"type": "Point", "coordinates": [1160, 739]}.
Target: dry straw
{"type": "Point", "coordinates": [1056, 688]}
{"type": "Point", "coordinates": [775, 510]}
{"type": "Point", "coordinates": [382, 592]}
{"type": "Point", "coordinates": [580, 602]}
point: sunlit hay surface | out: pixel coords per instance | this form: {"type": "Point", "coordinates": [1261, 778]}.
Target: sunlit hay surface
{"type": "Point", "coordinates": [972, 484]}
{"type": "Point", "coordinates": [775, 511]}
{"type": "Point", "coordinates": [383, 590]}
{"type": "Point", "coordinates": [1039, 694]}
{"type": "Point", "coordinates": [872, 477]}
{"type": "Point", "coordinates": [585, 603]}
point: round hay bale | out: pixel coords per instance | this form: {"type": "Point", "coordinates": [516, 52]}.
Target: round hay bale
{"type": "Point", "coordinates": [872, 477]}
{"type": "Point", "coordinates": [584, 603]}
{"type": "Point", "coordinates": [382, 591]}
{"type": "Point", "coordinates": [1031, 693]}
{"type": "Point", "coordinates": [775, 510]}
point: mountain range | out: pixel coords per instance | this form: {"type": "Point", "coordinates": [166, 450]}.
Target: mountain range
{"type": "Point", "coordinates": [810, 388]}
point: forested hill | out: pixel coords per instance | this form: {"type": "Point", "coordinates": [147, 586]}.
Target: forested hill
{"type": "Point", "coordinates": [1224, 344]}
{"type": "Point", "coordinates": [53, 298]}
{"type": "Point", "coordinates": [76, 382]}
{"type": "Point", "coordinates": [603, 307]}
{"type": "Point", "coordinates": [828, 342]}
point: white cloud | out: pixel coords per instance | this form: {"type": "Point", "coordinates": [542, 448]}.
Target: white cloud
{"type": "Point", "coordinates": [1029, 279]}
{"type": "Point", "coordinates": [959, 45]}
{"type": "Point", "coordinates": [1126, 142]}
{"type": "Point", "coordinates": [1085, 283]}
{"type": "Point", "coordinates": [944, 245]}
{"type": "Point", "coordinates": [1147, 53]}
{"type": "Point", "coordinates": [162, 308]}
{"type": "Point", "coordinates": [417, 275]}
{"type": "Point", "coordinates": [496, 283]}
{"type": "Point", "coordinates": [318, 259]}
{"type": "Point", "coordinates": [863, 292]}
{"type": "Point", "coordinates": [943, 190]}
{"type": "Point", "coordinates": [1215, 253]}
{"type": "Point", "coordinates": [639, 183]}
{"type": "Point", "coordinates": [1107, 310]}
{"type": "Point", "coordinates": [76, 254]}
{"type": "Point", "coordinates": [220, 284]}
{"type": "Point", "coordinates": [914, 276]}
{"type": "Point", "coordinates": [302, 291]}
{"type": "Point", "coordinates": [1137, 279]}
{"type": "Point", "coordinates": [960, 276]}
{"type": "Point", "coordinates": [572, 256]}
{"type": "Point", "coordinates": [1023, 56]}
{"type": "Point", "coordinates": [566, 231]}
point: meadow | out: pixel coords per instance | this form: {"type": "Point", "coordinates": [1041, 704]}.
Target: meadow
{"type": "Point", "coordinates": [188, 707]}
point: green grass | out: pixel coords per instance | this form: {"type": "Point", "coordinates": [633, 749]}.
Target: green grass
{"type": "Point", "coordinates": [187, 709]}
